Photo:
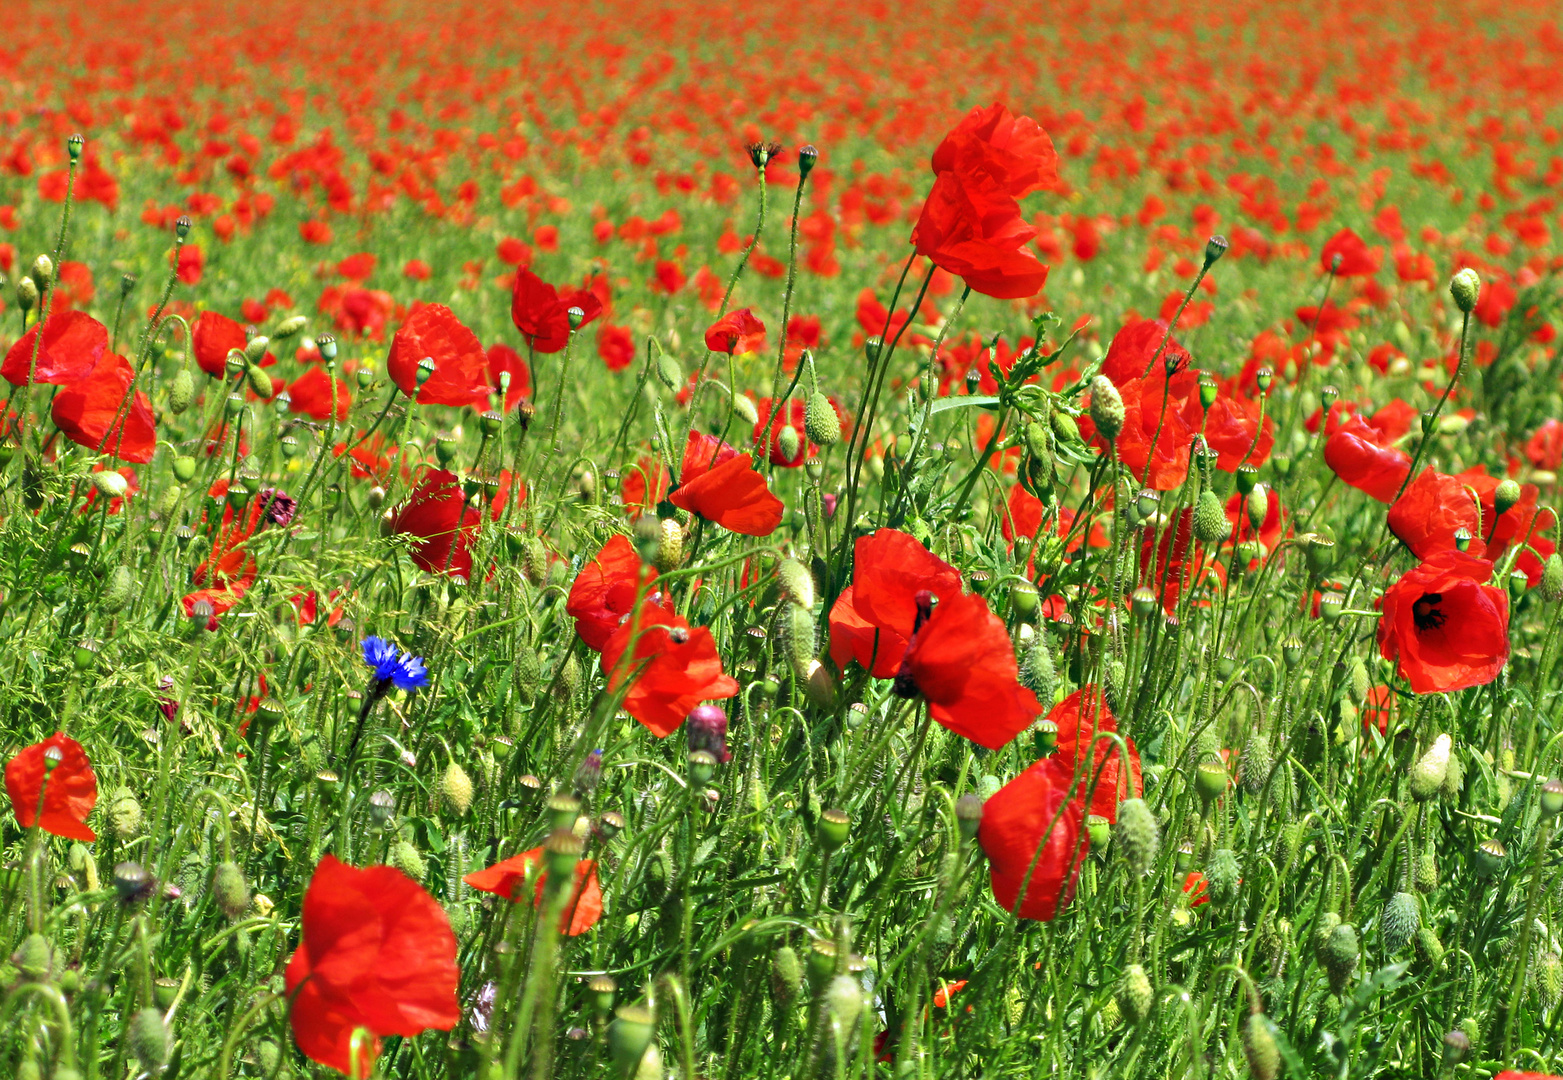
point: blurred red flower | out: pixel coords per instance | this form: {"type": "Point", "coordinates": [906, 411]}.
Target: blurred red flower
{"type": "Point", "coordinates": [1443, 626]}
{"type": "Point", "coordinates": [377, 952]}
{"type": "Point", "coordinates": [68, 789]}
{"type": "Point", "coordinates": [212, 338]}
{"type": "Point", "coordinates": [505, 878]}
{"type": "Point", "coordinates": [1356, 258]}
{"type": "Point", "coordinates": [605, 591]}
{"type": "Point", "coordinates": [311, 394]}
{"type": "Point", "coordinates": [502, 358]}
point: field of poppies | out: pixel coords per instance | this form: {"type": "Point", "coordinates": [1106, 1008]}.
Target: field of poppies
{"type": "Point", "coordinates": [647, 539]}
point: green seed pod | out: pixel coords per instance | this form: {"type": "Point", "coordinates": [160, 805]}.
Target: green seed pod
{"type": "Point", "coordinates": [833, 829]}
{"type": "Point", "coordinates": [1428, 948]}
{"type": "Point", "coordinates": [1210, 519]}
{"type": "Point", "coordinates": [786, 977]}
{"type": "Point", "coordinates": [1223, 876]}
{"type": "Point", "coordinates": [406, 858]}
{"type": "Point", "coordinates": [787, 442]}
{"type": "Point", "coordinates": [1400, 922]}
{"type": "Point", "coordinates": [1259, 1047]}
{"type": "Point", "coordinates": [1037, 673]}
{"type": "Point", "coordinates": [629, 1037]}
{"type": "Point", "coordinates": [1138, 835]}
{"type": "Point", "coordinates": [1134, 994]}
{"type": "Point", "coordinates": [570, 677]}
{"type": "Point", "coordinates": [1549, 979]}
{"type": "Point", "coordinates": [796, 582]}
{"type": "Point", "coordinates": [670, 545]}
{"type": "Point", "coordinates": [34, 958]}
{"type": "Point", "coordinates": [1425, 872]}
{"type": "Point", "coordinates": [526, 672]}
{"type": "Point", "coordinates": [1552, 578]}
{"type": "Point", "coordinates": [1427, 775]}
{"type": "Point", "coordinates": [1113, 678]}
{"type": "Point", "coordinates": [1454, 779]}
{"type": "Point", "coordinates": [1065, 430]}
{"type": "Point", "coordinates": [259, 381]}
{"type": "Point", "coordinates": [1466, 288]}
{"type": "Point", "coordinates": [968, 815]}
{"type": "Point", "coordinates": [669, 373]}
{"type": "Point", "coordinates": [230, 890]}
{"type": "Point", "coordinates": [118, 590]}
{"type": "Point", "coordinates": [1210, 780]}
{"type": "Point", "coordinates": [797, 631]}
{"type": "Point", "coordinates": [1321, 933]}
{"type": "Point", "coordinates": [1257, 504]}
{"type": "Point", "coordinates": [1489, 858]}
{"type": "Point", "coordinates": [1288, 845]}
{"type": "Point", "coordinates": [456, 788]}
{"type": "Point", "coordinates": [124, 817]}
{"type": "Point", "coordinates": [146, 1037]}
{"type": "Point", "coordinates": [844, 1003]}
{"type": "Point", "coordinates": [820, 421]}
{"type": "Point", "coordinates": [181, 391]}
{"type": "Point", "coordinates": [1340, 955]}
{"type": "Point", "coordinates": [1258, 760]}
{"type": "Point", "coordinates": [1107, 411]}
{"type": "Point", "coordinates": [819, 965]}
{"type": "Point", "coordinates": [184, 469]}
{"type": "Point", "coordinates": [1357, 682]}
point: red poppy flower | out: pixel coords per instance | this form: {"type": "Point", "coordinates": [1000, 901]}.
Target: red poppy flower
{"type": "Point", "coordinates": [1155, 408]}
{"type": "Point", "coordinates": [736, 332]}
{"type": "Point", "coordinates": [1012, 151]}
{"type": "Point", "coordinates": [73, 343]}
{"type": "Point", "coordinates": [219, 600]}
{"type": "Point", "coordinates": [1444, 627]}
{"type": "Point", "coordinates": [502, 358]}
{"type": "Point", "coordinates": [1132, 353]}
{"type": "Point", "coordinates": [1028, 815]}
{"type": "Point", "coordinates": [310, 394]}
{"type": "Point", "coordinates": [1356, 258]}
{"type": "Point", "coordinates": [212, 338]}
{"type": "Point", "coordinates": [1360, 457]}
{"type": "Point", "coordinates": [674, 667]}
{"type": "Point", "coordinates": [445, 526]}
{"type": "Point", "coordinates": [1230, 424]}
{"type": "Point", "coordinates": [1081, 717]}
{"type": "Point", "coordinates": [722, 487]}
{"type": "Point", "coordinates": [88, 412]}
{"type": "Point", "coordinates": [378, 953]}
{"type": "Point", "coordinates": [974, 230]}
{"type": "Point", "coordinates": [1197, 889]}
{"type": "Point", "coordinates": [460, 366]}
{"type": "Point", "coordinates": [644, 484]}
{"type": "Point", "coordinates": [69, 790]}
{"type": "Point", "coordinates": [1544, 448]}
{"type": "Point", "coordinates": [877, 649]}
{"type": "Point", "coordinates": [1434, 506]}
{"type": "Point", "coordinates": [541, 312]}
{"type": "Point", "coordinates": [960, 659]}
{"type": "Point", "coordinates": [889, 569]}
{"type": "Point", "coordinates": [505, 878]}
{"type": "Point", "coordinates": [605, 591]}
{"type": "Point", "coordinates": [1523, 523]}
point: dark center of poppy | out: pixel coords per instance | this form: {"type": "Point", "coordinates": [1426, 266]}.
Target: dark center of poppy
{"type": "Point", "coordinates": [1426, 614]}
{"type": "Point", "coordinates": [905, 685]}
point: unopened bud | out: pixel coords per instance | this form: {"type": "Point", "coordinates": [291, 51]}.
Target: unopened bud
{"type": "Point", "coordinates": [1107, 411]}
{"type": "Point", "coordinates": [1466, 288]}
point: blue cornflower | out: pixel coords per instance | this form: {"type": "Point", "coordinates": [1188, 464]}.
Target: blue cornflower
{"type": "Point", "coordinates": [406, 671]}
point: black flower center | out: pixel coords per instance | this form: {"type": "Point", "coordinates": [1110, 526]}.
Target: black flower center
{"type": "Point", "coordinates": [1426, 613]}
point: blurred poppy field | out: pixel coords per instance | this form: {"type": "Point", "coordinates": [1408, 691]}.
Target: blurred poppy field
{"type": "Point", "coordinates": [650, 539]}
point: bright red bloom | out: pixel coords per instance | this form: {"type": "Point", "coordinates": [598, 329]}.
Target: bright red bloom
{"type": "Point", "coordinates": [502, 358]}
{"type": "Point", "coordinates": [1230, 424]}
{"type": "Point", "coordinates": [542, 313]}
{"type": "Point", "coordinates": [311, 394]}
{"type": "Point", "coordinates": [1081, 717]}
{"type": "Point", "coordinates": [378, 953]}
{"type": "Point", "coordinates": [1523, 523]}
{"type": "Point", "coordinates": [445, 526]}
{"type": "Point", "coordinates": [505, 878]}
{"type": "Point", "coordinates": [212, 338]}
{"type": "Point", "coordinates": [1014, 152]}
{"type": "Point", "coordinates": [1434, 506]}
{"type": "Point", "coordinates": [673, 667]}
{"type": "Point", "coordinates": [1360, 455]}
{"type": "Point", "coordinates": [1031, 819]}
{"type": "Point", "coordinates": [889, 569]}
{"type": "Point", "coordinates": [1444, 627]}
{"type": "Point", "coordinates": [723, 488]}
{"type": "Point", "coordinates": [644, 484]}
{"type": "Point", "coordinates": [975, 231]}
{"type": "Point", "coordinates": [1356, 258]}
{"type": "Point", "coordinates": [605, 591]}
{"type": "Point", "coordinates": [460, 366]}
{"type": "Point", "coordinates": [68, 793]}
{"type": "Point", "coordinates": [1132, 353]}
{"type": "Point", "coordinates": [88, 412]}
{"type": "Point", "coordinates": [736, 332]}
{"type": "Point", "coordinates": [1544, 448]}
{"type": "Point", "coordinates": [877, 649]}
{"type": "Point", "coordinates": [73, 343]}
{"type": "Point", "coordinates": [1172, 423]}
{"type": "Point", "coordinates": [960, 659]}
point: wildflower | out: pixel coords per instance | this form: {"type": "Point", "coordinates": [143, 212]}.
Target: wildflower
{"type": "Point", "coordinates": [57, 772]}
{"type": "Point", "coordinates": [1356, 258]}
{"type": "Point", "coordinates": [669, 665]}
{"type": "Point", "coordinates": [212, 338]}
{"type": "Point", "coordinates": [1030, 821]}
{"type": "Point", "coordinates": [404, 670]}
{"type": "Point", "coordinates": [541, 312]}
{"type": "Point", "coordinates": [606, 590]}
{"type": "Point", "coordinates": [502, 359]}
{"type": "Point", "coordinates": [721, 485]}
{"type": "Point", "coordinates": [437, 514]}
{"type": "Point", "coordinates": [873, 618]}
{"type": "Point", "coordinates": [88, 412]}
{"type": "Point", "coordinates": [278, 506]}
{"type": "Point", "coordinates": [460, 366]}
{"type": "Point", "coordinates": [73, 343]}
{"type": "Point", "coordinates": [311, 394]}
{"type": "Point", "coordinates": [1443, 626]}
{"type": "Point", "coordinates": [1097, 765]}
{"type": "Point", "coordinates": [1361, 455]}
{"type": "Point", "coordinates": [736, 332]}
{"type": "Point", "coordinates": [377, 953]}
{"type": "Point", "coordinates": [507, 877]}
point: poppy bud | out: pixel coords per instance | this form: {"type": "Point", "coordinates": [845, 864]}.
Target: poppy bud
{"type": "Point", "coordinates": [820, 421]}
{"type": "Point", "coordinates": [1465, 287]}
{"type": "Point", "coordinates": [1340, 955]}
{"type": "Point", "coordinates": [1427, 775]}
{"type": "Point", "coordinates": [1552, 578]}
{"type": "Point", "coordinates": [788, 443]}
{"type": "Point", "coordinates": [1223, 875]}
{"type": "Point", "coordinates": [807, 156]}
{"type": "Point", "coordinates": [1259, 1047]}
{"type": "Point", "coordinates": [382, 809]}
{"type": "Point", "coordinates": [968, 815]}
{"type": "Point", "coordinates": [147, 1038]}
{"type": "Point", "coordinates": [1457, 1047]}
{"type": "Point", "coordinates": [27, 294]}
{"type": "Point", "coordinates": [230, 890]}
{"type": "Point", "coordinates": [1399, 922]}
{"type": "Point", "coordinates": [669, 373]}
{"type": "Point", "coordinates": [707, 726]}
{"type": "Point", "coordinates": [1210, 780]}
{"type": "Point", "coordinates": [1143, 602]}
{"type": "Point", "coordinates": [786, 977]}
{"type": "Point", "coordinates": [1425, 872]}
{"type": "Point", "coordinates": [1257, 504]}
{"type": "Point", "coordinates": [1210, 519]}
{"type": "Point", "coordinates": [833, 829]}
{"type": "Point", "coordinates": [181, 392]}
{"type": "Point", "coordinates": [1106, 407]}
{"type": "Point", "coordinates": [1258, 760]}
{"type": "Point", "coordinates": [364, 377]}
{"type": "Point", "coordinates": [1065, 430]}
{"type": "Point", "coordinates": [670, 545]}
{"type": "Point", "coordinates": [1429, 949]}
{"type": "Point", "coordinates": [116, 594]}
{"type": "Point", "coordinates": [456, 789]}
{"type": "Point", "coordinates": [43, 271]}
{"type": "Point", "coordinates": [1263, 378]}
{"type": "Point", "coordinates": [1138, 835]}
{"type": "Point", "coordinates": [406, 858]}
{"type": "Point", "coordinates": [132, 882]}
{"type": "Point", "coordinates": [1549, 979]}
{"type": "Point", "coordinates": [844, 1003]}
{"type": "Point", "coordinates": [1505, 495]}
{"type": "Point", "coordinates": [259, 381]}
{"type": "Point", "coordinates": [629, 1036]}
{"type": "Point", "coordinates": [796, 582]}
{"type": "Point", "coordinates": [1489, 858]}
{"type": "Point", "coordinates": [1134, 994]}
{"type": "Point", "coordinates": [375, 497]}
{"type": "Point", "coordinates": [34, 958]}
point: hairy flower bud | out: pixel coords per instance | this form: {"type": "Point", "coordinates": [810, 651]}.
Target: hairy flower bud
{"type": "Point", "coordinates": [1340, 955]}
{"type": "Point", "coordinates": [230, 890]}
{"type": "Point", "coordinates": [1466, 288]}
{"type": "Point", "coordinates": [1107, 411]}
{"type": "Point", "coordinates": [146, 1036]}
{"type": "Point", "coordinates": [1399, 922]}
{"type": "Point", "coordinates": [820, 421]}
{"type": "Point", "coordinates": [456, 789]}
{"type": "Point", "coordinates": [1259, 1047]}
{"type": "Point", "coordinates": [406, 858]}
{"type": "Point", "coordinates": [1210, 519]}
{"type": "Point", "coordinates": [1138, 835]}
{"type": "Point", "coordinates": [1427, 775]}
{"type": "Point", "coordinates": [1134, 994]}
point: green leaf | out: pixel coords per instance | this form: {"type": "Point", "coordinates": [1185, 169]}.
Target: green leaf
{"type": "Point", "coordinates": [987, 401]}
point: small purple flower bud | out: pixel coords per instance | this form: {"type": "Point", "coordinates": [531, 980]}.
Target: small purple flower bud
{"type": "Point", "coordinates": [708, 732]}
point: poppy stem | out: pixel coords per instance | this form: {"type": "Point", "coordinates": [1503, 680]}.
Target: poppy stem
{"type": "Point", "coordinates": [780, 403]}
